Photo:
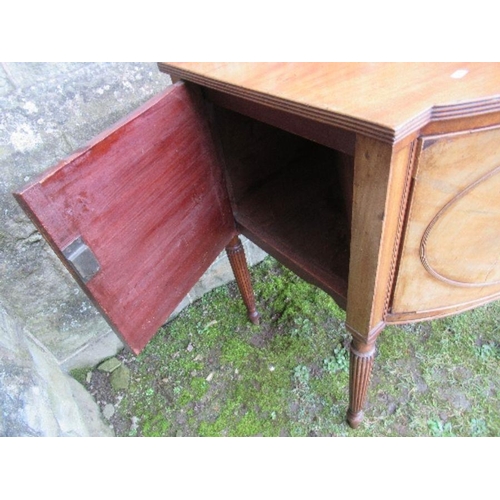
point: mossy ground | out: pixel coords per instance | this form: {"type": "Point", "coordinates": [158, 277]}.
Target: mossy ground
{"type": "Point", "coordinates": [210, 372]}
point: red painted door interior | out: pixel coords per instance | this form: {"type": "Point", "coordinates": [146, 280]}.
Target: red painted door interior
{"type": "Point", "coordinates": [140, 213]}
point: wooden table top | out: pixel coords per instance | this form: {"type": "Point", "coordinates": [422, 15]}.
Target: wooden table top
{"type": "Point", "coordinates": [387, 101]}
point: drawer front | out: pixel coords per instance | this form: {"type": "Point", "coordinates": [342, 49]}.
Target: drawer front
{"type": "Point", "coordinates": [450, 259]}
{"type": "Point", "coordinates": [138, 215]}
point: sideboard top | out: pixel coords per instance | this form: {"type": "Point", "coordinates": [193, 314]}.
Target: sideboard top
{"type": "Point", "coordinates": [386, 101]}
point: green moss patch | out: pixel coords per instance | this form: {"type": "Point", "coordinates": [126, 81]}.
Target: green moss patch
{"type": "Point", "coordinates": [210, 372]}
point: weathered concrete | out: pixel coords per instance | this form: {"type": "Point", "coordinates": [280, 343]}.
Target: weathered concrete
{"type": "Point", "coordinates": [36, 397]}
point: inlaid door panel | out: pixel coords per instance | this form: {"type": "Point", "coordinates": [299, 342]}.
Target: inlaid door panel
{"type": "Point", "coordinates": [451, 250]}
{"type": "Point", "coordinates": [139, 214]}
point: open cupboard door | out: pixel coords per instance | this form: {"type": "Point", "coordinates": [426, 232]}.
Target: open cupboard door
{"type": "Point", "coordinates": [139, 214]}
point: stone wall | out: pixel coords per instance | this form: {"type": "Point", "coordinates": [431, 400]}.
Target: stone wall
{"type": "Point", "coordinates": [47, 111]}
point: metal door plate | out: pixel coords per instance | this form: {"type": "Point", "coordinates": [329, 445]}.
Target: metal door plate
{"type": "Point", "coordinates": [82, 259]}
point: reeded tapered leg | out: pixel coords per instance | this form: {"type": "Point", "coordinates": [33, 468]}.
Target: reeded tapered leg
{"type": "Point", "coordinates": [239, 266]}
{"type": "Point", "coordinates": [360, 371]}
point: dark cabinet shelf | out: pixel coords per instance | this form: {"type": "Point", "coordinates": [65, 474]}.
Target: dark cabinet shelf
{"type": "Point", "coordinates": [291, 197]}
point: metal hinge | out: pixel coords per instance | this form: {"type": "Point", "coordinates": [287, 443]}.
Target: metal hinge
{"type": "Point", "coordinates": [82, 259]}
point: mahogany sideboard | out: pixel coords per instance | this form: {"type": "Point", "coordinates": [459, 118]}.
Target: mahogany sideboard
{"type": "Point", "coordinates": [379, 183]}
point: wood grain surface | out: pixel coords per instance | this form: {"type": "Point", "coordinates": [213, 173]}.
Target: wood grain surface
{"type": "Point", "coordinates": [148, 198]}
{"type": "Point", "coordinates": [386, 101]}
{"type": "Point", "coordinates": [380, 178]}
{"type": "Point", "coordinates": [450, 259]}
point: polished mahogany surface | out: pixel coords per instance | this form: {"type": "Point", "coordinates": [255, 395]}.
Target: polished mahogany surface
{"type": "Point", "coordinates": [381, 100]}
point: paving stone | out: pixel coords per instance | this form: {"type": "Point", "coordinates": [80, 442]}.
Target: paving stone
{"type": "Point", "coordinates": [109, 365]}
{"type": "Point", "coordinates": [120, 378]}
{"type": "Point", "coordinates": [108, 411]}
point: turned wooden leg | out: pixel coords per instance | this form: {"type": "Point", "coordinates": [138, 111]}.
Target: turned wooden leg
{"type": "Point", "coordinates": [239, 266]}
{"type": "Point", "coordinates": [360, 371]}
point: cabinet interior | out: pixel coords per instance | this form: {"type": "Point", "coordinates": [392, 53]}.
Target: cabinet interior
{"type": "Point", "coordinates": [291, 196]}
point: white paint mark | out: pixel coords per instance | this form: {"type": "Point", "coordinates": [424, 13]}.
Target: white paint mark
{"type": "Point", "coordinates": [459, 73]}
